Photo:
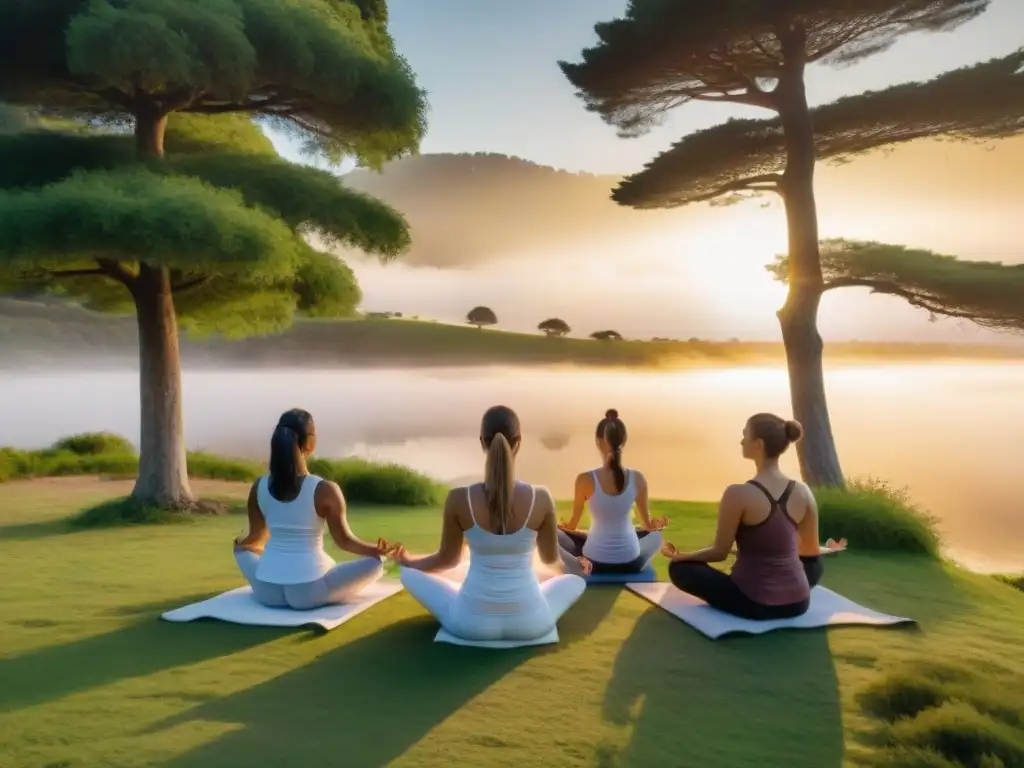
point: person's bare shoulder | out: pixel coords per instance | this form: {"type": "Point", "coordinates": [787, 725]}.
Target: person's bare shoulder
{"type": "Point", "coordinates": [638, 478]}
{"type": "Point", "coordinates": [543, 500]}
{"type": "Point", "coordinates": [328, 492]}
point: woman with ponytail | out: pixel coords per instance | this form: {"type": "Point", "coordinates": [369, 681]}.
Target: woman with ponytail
{"type": "Point", "coordinates": [773, 521]}
{"type": "Point", "coordinates": [612, 545]}
{"type": "Point", "coordinates": [283, 557]}
{"type": "Point", "coordinates": [504, 522]}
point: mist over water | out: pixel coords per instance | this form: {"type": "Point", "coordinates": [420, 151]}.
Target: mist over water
{"type": "Point", "coordinates": [944, 430]}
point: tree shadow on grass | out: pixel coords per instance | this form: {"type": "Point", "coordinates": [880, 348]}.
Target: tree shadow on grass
{"type": "Point", "coordinates": [137, 649]}
{"type": "Point", "coordinates": [37, 530]}
{"type": "Point", "coordinates": [739, 701]}
{"type": "Point", "coordinates": [365, 703]}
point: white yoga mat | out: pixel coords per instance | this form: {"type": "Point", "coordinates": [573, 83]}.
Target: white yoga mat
{"type": "Point", "coordinates": [239, 607]}
{"type": "Point", "coordinates": [827, 609]}
{"type": "Point", "coordinates": [443, 636]}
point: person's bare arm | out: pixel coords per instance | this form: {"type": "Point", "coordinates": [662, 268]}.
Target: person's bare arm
{"type": "Point", "coordinates": [807, 531]}
{"type": "Point", "coordinates": [583, 491]}
{"type": "Point", "coordinates": [643, 504]}
{"type": "Point", "coordinates": [256, 540]}
{"type": "Point", "coordinates": [330, 505]}
{"type": "Point", "coordinates": [551, 553]}
{"type": "Point", "coordinates": [730, 513]}
{"type": "Point", "coordinates": [449, 553]}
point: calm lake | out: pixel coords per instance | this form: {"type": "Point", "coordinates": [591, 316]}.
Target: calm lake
{"type": "Point", "coordinates": [947, 431]}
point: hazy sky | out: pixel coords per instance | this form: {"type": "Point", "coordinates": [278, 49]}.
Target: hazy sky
{"type": "Point", "coordinates": [494, 86]}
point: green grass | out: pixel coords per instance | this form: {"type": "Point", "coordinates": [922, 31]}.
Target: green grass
{"type": "Point", "coordinates": [90, 677]}
{"type": "Point", "coordinates": [41, 334]}
{"type": "Point", "coordinates": [103, 453]}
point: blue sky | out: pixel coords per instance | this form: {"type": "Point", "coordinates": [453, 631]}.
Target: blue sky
{"type": "Point", "coordinates": [491, 72]}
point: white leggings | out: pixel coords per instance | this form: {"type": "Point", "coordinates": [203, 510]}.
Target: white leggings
{"type": "Point", "coordinates": [440, 596]}
{"type": "Point", "coordinates": [339, 585]}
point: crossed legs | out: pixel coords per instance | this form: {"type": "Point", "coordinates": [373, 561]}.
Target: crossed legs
{"type": "Point", "coordinates": [650, 544]}
{"type": "Point", "coordinates": [339, 585]}
{"type": "Point", "coordinates": [440, 597]}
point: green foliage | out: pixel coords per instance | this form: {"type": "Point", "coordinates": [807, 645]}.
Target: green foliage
{"type": "Point", "coordinates": [326, 69]}
{"type": "Point", "coordinates": [975, 103]}
{"type": "Point", "coordinates": [1013, 580]}
{"type": "Point", "coordinates": [103, 453]}
{"type": "Point", "coordinates": [369, 482]}
{"type": "Point", "coordinates": [661, 55]}
{"type": "Point", "coordinates": [936, 715]}
{"type": "Point", "coordinates": [874, 517]}
{"type": "Point", "coordinates": [95, 443]}
{"type": "Point", "coordinates": [988, 293]}
{"type": "Point", "coordinates": [127, 511]}
{"type": "Point", "coordinates": [554, 326]}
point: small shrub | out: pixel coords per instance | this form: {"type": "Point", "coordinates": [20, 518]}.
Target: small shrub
{"type": "Point", "coordinates": [960, 733]}
{"type": "Point", "coordinates": [903, 695]}
{"type": "Point", "coordinates": [95, 443]}
{"type": "Point", "coordinates": [126, 511]}
{"type": "Point", "coordinates": [873, 516]}
{"type": "Point", "coordinates": [212, 467]}
{"type": "Point", "coordinates": [369, 482]}
{"type": "Point", "coordinates": [1015, 581]}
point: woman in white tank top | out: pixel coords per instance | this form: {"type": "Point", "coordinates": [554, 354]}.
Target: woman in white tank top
{"type": "Point", "coordinates": [504, 522]}
{"type": "Point", "coordinates": [283, 557]}
{"type": "Point", "coordinates": [612, 545]}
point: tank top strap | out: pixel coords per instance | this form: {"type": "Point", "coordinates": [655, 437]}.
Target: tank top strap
{"type": "Point", "coordinates": [469, 501]}
{"type": "Point", "coordinates": [784, 500]}
{"type": "Point", "coordinates": [533, 503]}
{"type": "Point", "coordinates": [765, 491]}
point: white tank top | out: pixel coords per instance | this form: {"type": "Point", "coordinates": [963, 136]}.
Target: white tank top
{"type": "Point", "coordinates": [612, 538]}
{"type": "Point", "coordinates": [295, 551]}
{"type": "Point", "coordinates": [501, 578]}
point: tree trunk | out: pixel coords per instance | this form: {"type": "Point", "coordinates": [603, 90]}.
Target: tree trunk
{"type": "Point", "coordinates": [819, 460]}
{"type": "Point", "coordinates": [150, 126]}
{"type": "Point", "coordinates": [163, 475]}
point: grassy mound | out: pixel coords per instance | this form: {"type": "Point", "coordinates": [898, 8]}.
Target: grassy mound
{"type": "Point", "coordinates": [944, 716]}
{"type": "Point", "coordinates": [877, 518]}
{"type": "Point", "coordinates": [102, 453]}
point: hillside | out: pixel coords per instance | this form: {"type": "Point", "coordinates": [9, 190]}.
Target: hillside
{"type": "Point", "coordinates": [53, 335]}
{"type": "Point", "coordinates": [470, 209]}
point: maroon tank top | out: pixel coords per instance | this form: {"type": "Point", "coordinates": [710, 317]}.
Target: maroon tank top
{"type": "Point", "coordinates": [768, 568]}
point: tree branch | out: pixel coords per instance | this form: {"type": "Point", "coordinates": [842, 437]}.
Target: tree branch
{"type": "Point", "coordinates": [117, 271]}
{"type": "Point", "coordinates": [189, 284]}
{"type": "Point", "coordinates": [892, 289]}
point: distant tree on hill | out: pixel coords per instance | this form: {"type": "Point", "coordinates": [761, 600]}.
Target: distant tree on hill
{"type": "Point", "coordinates": [554, 326]}
{"type": "Point", "coordinates": [661, 55]}
{"type": "Point", "coordinates": [481, 316]}
{"type": "Point", "coordinates": [985, 292]}
{"type": "Point", "coordinates": [606, 336]}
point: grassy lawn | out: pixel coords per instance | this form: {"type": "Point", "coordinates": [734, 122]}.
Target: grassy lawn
{"type": "Point", "coordinates": [90, 677]}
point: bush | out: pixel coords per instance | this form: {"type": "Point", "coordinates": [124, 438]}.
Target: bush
{"type": "Point", "coordinates": [873, 516]}
{"type": "Point", "coordinates": [212, 467]}
{"type": "Point", "coordinates": [1016, 581]}
{"type": "Point", "coordinates": [126, 511]}
{"type": "Point", "coordinates": [102, 453]}
{"type": "Point", "coordinates": [95, 443]}
{"type": "Point", "coordinates": [370, 482]}
{"type": "Point", "coordinates": [961, 734]}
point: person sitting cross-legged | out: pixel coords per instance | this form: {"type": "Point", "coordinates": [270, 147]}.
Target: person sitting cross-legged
{"type": "Point", "coordinates": [612, 545]}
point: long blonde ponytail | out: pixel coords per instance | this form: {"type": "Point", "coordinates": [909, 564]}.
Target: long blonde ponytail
{"type": "Point", "coordinates": [499, 481]}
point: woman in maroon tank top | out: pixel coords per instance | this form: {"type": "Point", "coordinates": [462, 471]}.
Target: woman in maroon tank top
{"type": "Point", "coordinates": [773, 521]}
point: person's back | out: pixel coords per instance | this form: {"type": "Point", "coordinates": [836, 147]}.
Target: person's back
{"type": "Point", "coordinates": [501, 595]}
{"type": "Point", "coordinates": [612, 537]}
{"type": "Point", "coordinates": [294, 553]}
{"type": "Point", "coordinates": [504, 523]}
{"type": "Point", "coordinates": [768, 567]}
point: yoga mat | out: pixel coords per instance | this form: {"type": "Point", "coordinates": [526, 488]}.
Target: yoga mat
{"type": "Point", "coordinates": [239, 607]}
{"type": "Point", "coordinates": [642, 577]}
{"type": "Point", "coordinates": [828, 609]}
{"type": "Point", "coordinates": [443, 636]}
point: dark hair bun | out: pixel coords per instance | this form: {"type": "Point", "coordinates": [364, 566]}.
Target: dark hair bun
{"type": "Point", "coordinates": [611, 413]}
{"type": "Point", "coordinates": [794, 430]}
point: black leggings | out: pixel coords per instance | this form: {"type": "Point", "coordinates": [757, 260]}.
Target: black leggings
{"type": "Point", "coordinates": [579, 538]}
{"type": "Point", "coordinates": [719, 591]}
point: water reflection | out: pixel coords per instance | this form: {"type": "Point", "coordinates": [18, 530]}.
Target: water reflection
{"type": "Point", "coordinates": [943, 430]}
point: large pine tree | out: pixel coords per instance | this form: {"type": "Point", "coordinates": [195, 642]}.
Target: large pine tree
{"type": "Point", "coordinates": [666, 53]}
{"type": "Point", "coordinates": [190, 213]}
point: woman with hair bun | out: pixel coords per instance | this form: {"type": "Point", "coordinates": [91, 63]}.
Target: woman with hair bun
{"type": "Point", "coordinates": [504, 522]}
{"type": "Point", "coordinates": [283, 557]}
{"type": "Point", "coordinates": [612, 545]}
{"type": "Point", "coordinates": [773, 521]}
